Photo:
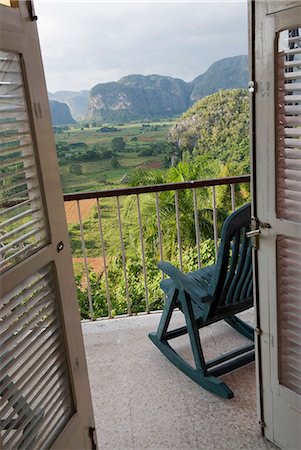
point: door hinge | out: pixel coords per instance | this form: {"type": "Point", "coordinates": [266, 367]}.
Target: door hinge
{"type": "Point", "coordinates": [262, 423]}
{"type": "Point", "coordinates": [92, 435]}
{"type": "Point", "coordinates": [258, 331]}
{"type": "Point", "coordinates": [31, 10]}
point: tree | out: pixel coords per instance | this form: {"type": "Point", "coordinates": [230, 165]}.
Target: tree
{"type": "Point", "coordinates": [216, 126]}
{"type": "Point", "coordinates": [115, 163]}
{"type": "Point", "coordinates": [118, 144]}
{"type": "Point", "coordinates": [76, 169]}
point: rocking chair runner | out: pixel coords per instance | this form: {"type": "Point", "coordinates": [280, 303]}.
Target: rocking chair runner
{"type": "Point", "coordinates": [206, 296]}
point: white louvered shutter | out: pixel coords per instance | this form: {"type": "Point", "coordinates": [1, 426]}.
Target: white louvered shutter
{"type": "Point", "coordinates": [288, 154]}
{"type": "Point", "coordinates": [288, 123]}
{"type": "Point", "coordinates": [276, 64]}
{"type": "Point", "coordinates": [22, 219]}
{"type": "Point", "coordinates": [45, 398]}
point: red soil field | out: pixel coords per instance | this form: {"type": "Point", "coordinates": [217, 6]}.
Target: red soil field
{"type": "Point", "coordinates": [85, 209]}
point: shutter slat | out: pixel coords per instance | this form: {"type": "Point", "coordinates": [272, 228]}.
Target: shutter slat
{"type": "Point", "coordinates": [290, 185]}
{"type": "Point", "coordinates": [19, 216]}
{"type": "Point", "coordinates": [293, 132]}
{"type": "Point", "coordinates": [54, 412]}
{"type": "Point", "coordinates": [23, 252]}
{"type": "Point", "coordinates": [291, 120]}
{"type": "Point", "coordinates": [20, 240]}
{"type": "Point", "coordinates": [20, 171]}
{"type": "Point", "coordinates": [18, 160]}
{"type": "Point", "coordinates": [23, 348]}
{"type": "Point", "coordinates": [12, 209]}
{"type": "Point", "coordinates": [296, 63]}
{"type": "Point", "coordinates": [21, 194]}
{"type": "Point", "coordinates": [292, 75]}
{"type": "Point", "coordinates": [32, 370]}
{"type": "Point", "coordinates": [292, 87]}
{"type": "Point", "coordinates": [290, 164]}
{"type": "Point", "coordinates": [9, 303]}
{"type": "Point", "coordinates": [292, 175]}
{"type": "Point", "coordinates": [292, 110]}
{"type": "Point", "coordinates": [37, 304]}
{"type": "Point", "coordinates": [294, 39]}
{"type": "Point", "coordinates": [292, 98]}
{"type": "Point", "coordinates": [20, 229]}
{"type": "Point", "coordinates": [11, 149]}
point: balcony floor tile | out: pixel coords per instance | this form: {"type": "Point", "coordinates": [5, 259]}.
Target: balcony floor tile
{"type": "Point", "coordinates": [141, 401]}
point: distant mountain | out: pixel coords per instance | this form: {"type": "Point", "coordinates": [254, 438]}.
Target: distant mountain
{"type": "Point", "coordinates": [139, 97]}
{"type": "Point", "coordinates": [76, 100]}
{"type": "Point", "coordinates": [226, 73]}
{"type": "Point", "coordinates": [60, 113]}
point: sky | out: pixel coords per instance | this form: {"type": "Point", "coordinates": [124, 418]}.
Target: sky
{"type": "Point", "coordinates": [89, 42]}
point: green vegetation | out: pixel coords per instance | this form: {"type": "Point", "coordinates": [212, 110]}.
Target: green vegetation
{"type": "Point", "coordinates": [216, 129]}
{"type": "Point", "coordinates": [106, 154]}
{"type": "Point", "coordinates": [209, 141]}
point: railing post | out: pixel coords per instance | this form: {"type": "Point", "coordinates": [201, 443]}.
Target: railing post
{"type": "Point", "coordinates": [214, 220]}
{"type": "Point", "coordinates": [178, 228]}
{"type": "Point", "coordinates": [232, 186]}
{"type": "Point", "coordinates": [197, 228]}
{"type": "Point", "coordinates": [143, 255]}
{"type": "Point", "coordinates": [82, 238]}
{"type": "Point", "coordinates": [123, 258]}
{"type": "Point", "coordinates": [159, 226]}
{"type": "Point", "coordinates": [103, 247]}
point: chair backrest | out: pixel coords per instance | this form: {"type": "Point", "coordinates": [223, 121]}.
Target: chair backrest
{"type": "Point", "coordinates": [231, 283]}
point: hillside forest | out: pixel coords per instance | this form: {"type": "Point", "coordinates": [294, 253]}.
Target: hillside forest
{"type": "Point", "coordinates": [210, 140]}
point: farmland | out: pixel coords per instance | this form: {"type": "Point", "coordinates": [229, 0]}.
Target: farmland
{"type": "Point", "coordinates": [104, 157]}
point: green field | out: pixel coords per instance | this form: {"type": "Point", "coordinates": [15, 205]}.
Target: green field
{"type": "Point", "coordinates": [145, 147]}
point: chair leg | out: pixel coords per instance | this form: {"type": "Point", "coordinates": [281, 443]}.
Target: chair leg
{"type": "Point", "coordinates": [167, 312]}
{"type": "Point", "coordinates": [208, 382]}
{"type": "Point", "coordinates": [199, 373]}
{"type": "Point", "coordinates": [241, 326]}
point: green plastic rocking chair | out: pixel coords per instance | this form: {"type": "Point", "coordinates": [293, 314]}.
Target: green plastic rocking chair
{"type": "Point", "coordinates": [206, 296]}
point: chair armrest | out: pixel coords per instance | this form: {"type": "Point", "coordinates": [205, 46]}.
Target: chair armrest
{"type": "Point", "coordinates": [185, 282]}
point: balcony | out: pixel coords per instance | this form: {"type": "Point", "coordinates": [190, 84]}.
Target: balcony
{"type": "Point", "coordinates": [140, 399]}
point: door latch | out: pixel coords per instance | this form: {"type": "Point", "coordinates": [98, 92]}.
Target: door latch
{"type": "Point", "coordinates": [255, 232]}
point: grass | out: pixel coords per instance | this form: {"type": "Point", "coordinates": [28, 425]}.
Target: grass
{"type": "Point", "coordinates": [99, 174]}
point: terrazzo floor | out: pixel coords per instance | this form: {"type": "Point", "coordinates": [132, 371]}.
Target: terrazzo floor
{"type": "Point", "coordinates": [141, 401]}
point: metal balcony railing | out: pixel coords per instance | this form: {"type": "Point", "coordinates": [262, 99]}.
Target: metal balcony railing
{"type": "Point", "coordinates": [100, 199]}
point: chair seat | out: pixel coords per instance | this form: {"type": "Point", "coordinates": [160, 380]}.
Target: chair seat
{"type": "Point", "coordinates": [203, 278]}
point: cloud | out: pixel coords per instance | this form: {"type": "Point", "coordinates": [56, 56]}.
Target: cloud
{"type": "Point", "coordinates": [84, 43]}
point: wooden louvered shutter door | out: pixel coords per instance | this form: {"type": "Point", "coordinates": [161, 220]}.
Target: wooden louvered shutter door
{"type": "Point", "coordinates": [288, 154]}
{"type": "Point", "coordinates": [45, 398]}
{"type": "Point", "coordinates": [288, 121]}
{"type": "Point", "coordinates": [277, 205]}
